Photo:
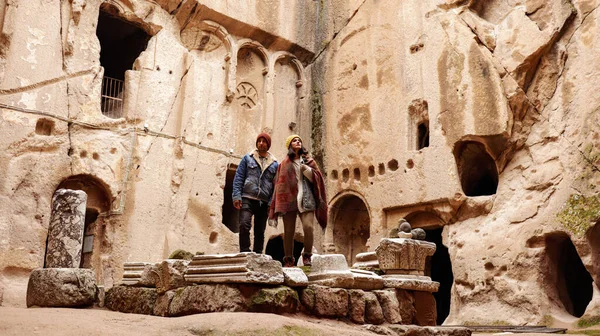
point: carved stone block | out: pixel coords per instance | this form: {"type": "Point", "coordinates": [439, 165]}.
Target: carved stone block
{"type": "Point", "coordinates": [65, 233]}
{"type": "Point", "coordinates": [403, 256]}
{"type": "Point", "coordinates": [235, 268]}
{"type": "Point", "coordinates": [61, 287]}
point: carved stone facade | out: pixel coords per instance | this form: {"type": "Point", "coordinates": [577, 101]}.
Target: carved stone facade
{"type": "Point", "coordinates": [474, 120]}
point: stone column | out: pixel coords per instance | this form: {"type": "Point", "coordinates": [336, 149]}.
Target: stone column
{"type": "Point", "coordinates": [65, 233]}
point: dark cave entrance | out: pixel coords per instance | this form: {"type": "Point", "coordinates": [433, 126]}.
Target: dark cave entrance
{"type": "Point", "coordinates": [230, 216]}
{"type": "Point", "coordinates": [476, 168]}
{"type": "Point", "coordinates": [439, 268]}
{"type": "Point", "coordinates": [566, 272]}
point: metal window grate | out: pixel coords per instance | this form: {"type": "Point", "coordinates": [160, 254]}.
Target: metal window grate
{"type": "Point", "coordinates": [112, 97]}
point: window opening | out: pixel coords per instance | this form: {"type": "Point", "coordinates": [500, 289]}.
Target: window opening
{"type": "Point", "coordinates": [423, 135]}
{"type": "Point", "coordinates": [120, 44]}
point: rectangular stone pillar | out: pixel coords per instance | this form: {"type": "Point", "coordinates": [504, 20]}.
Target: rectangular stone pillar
{"type": "Point", "coordinates": [65, 233]}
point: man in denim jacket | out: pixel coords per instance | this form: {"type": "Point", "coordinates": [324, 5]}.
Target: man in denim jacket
{"type": "Point", "coordinates": [252, 191]}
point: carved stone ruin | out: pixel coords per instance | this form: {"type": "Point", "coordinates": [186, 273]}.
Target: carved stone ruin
{"type": "Point", "coordinates": [234, 268]}
{"type": "Point", "coordinates": [332, 270]}
{"type": "Point", "coordinates": [65, 233]}
{"type": "Point", "coordinates": [403, 262]}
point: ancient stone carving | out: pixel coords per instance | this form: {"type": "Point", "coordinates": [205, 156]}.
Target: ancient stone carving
{"type": "Point", "coordinates": [246, 95]}
{"type": "Point", "coordinates": [403, 256]}
{"type": "Point", "coordinates": [194, 38]}
{"type": "Point", "coordinates": [132, 272]}
{"type": "Point", "coordinates": [65, 233]}
{"type": "Point", "coordinates": [366, 260]}
{"type": "Point", "coordinates": [234, 268]}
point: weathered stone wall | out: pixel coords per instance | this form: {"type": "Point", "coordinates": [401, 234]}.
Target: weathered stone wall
{"type": "Point", "coordinates": [162, 166]}
{"type": "Point", "coordinates": [506, 87]}
{"type": "Point", "coordinates": [517, 78]}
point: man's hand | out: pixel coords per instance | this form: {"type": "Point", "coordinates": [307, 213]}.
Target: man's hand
{"type": "Point", "coordinates": [303, 167]}
{"type": "Point", "coordinates": [237, 204]}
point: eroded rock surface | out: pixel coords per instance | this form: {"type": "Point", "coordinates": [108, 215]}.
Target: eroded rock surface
{"type": "Point", "coordinates": [61, 287]}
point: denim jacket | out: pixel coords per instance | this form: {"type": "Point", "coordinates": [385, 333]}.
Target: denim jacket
{"type": "Point", "coordinates": [253, 182]}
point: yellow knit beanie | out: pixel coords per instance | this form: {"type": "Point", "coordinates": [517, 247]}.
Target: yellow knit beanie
{"type": "Point", "coordinates": [289, 139]}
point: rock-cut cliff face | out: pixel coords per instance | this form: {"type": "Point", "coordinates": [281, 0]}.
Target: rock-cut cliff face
{"type": "Point", "coordinates": [477, 120]}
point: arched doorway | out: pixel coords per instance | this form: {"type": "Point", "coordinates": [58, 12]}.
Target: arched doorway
{"type": "Point", "coordinates": [568, 278]}
{"type": "Point", "coordinates": [351, 226]}
{"type": "Point", "coordinates": [439, 265]}
{"type": "Point", "coordinates": [98, 204]}
{"type": "Point", "coordinates": [230, 216]}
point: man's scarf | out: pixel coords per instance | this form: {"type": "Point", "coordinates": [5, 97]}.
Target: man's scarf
{"type": "Point", "coordinates": [285, 195]}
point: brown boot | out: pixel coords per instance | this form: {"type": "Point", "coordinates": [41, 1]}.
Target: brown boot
{"type": "Point", "coordinates": [289, 262]}
{"type": "Point", "coordinates": [306, 259]}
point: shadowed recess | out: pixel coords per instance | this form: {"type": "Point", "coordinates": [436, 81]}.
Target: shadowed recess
{"type": "Point", "coordinates": [566, 275]}
{"type": "Point", "coordinates": [230, 215]}
{"type": "Point", "coordinates": [476, 168]}
{"type": "Point", "coordinates": [351, 226]}
{"type": "Point", "coordinates": [275, 249]}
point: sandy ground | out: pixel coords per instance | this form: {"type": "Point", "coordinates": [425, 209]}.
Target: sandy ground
{"type": "Point", "coordinates": [89, 322]}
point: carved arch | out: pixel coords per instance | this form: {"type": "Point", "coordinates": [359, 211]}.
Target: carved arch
{"type": "Point", "coordinates": [276, 56]}
{"type": "Point", "coordinates": [256, 46]}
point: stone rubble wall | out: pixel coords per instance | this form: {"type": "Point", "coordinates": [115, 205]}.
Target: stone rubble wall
{"type": "Point", "coordinates": [388, 306]}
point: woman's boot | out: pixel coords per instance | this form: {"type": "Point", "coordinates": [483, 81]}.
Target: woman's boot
{"type": "Point", "coordinates": [306, 259]}
{"type": "Point", "coordinates": [289, 262]}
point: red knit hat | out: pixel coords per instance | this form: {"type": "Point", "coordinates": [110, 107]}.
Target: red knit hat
{"type": "Point", "coordinates": [266, 137]}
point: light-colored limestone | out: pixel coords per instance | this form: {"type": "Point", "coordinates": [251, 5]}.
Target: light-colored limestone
{"type": "Point", "coordinates": [294, 277]}
{"type": "Point", "coordinates": [132, 272]}
{"type": "Point", "coordinates": [366, 260]}
{"type": "Point", "coordinates": [61, 287]}
{"type": "Point", "coordinates": [234, 268]}
{"type": "Point", "coordinates": [517, 77]}
{"type": "Point", "coordinates": [403, 256]}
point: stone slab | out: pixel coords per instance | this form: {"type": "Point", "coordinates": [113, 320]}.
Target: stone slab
{"type": "Point", "coordinates": [278, 300]}
{"type": "Point", "coordinates": [171, 274]}
{"type": "Point", "coordinates": [410, 284]}
{"type": "Point", "coordinates": [390, 305]}
{"type": "Point", "coordinates": [207, 298]}
{"type": "Point", "coordinates": [235, 268]}
{"type": "Point", "coordinates": [366, 280]}
{"type": "Point", "coordinates": [128, 299]}
{"type": "Point", "coordinates": [294, 277]}
{"type": "Point", "coordinates": [132, 272]}
{"type": "Point", "coordinates": [61, 287]}
{"type": "Point", "coordinates": [329, 263]}
{"type": "Point", "coordinates": [65, 232]}
{"type": "Point", "coordinates": [331, 302]}
{"type": "Point", "coordinates": [426, 311]}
